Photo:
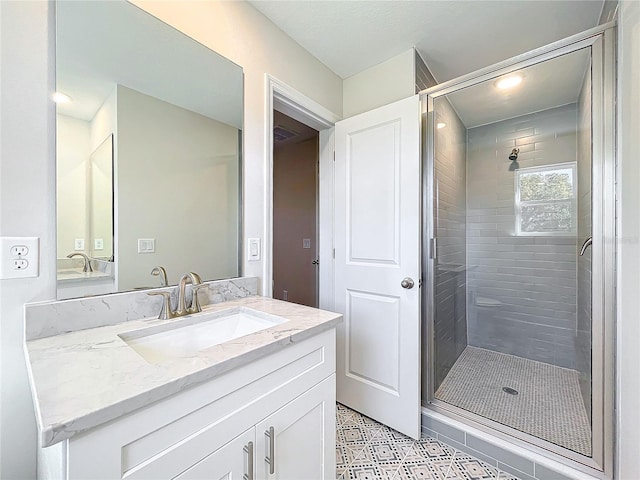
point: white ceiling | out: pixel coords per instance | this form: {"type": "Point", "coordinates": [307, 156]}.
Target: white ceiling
{"type": "Point", "coordinates": [101, 44]}
{"type": "Point", "coordinates": [453, 37]}
{"type": "Point", "coordinates": [545, 85]}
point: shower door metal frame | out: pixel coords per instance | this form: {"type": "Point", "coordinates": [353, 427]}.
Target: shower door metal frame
{"type": "Point", "coordinates": [601, 41]}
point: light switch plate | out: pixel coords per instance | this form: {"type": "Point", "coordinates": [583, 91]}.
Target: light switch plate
{"type": "Point", "coordinates": [19, 257]}
{"type": "Point", "coordinates": [146, 245]}
{"type": "Point", "coordinates": [253, 249]}
{"type": "Point", "coordinates": [306, 243]}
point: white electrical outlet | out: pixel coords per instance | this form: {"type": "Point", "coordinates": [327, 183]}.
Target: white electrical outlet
{"type": "Point", "coordinates": [285, 295]}
{"type": "Point", "coordinates": [78, 244]}
{"type": "Point", "coordinates": [98, 244]}
{"type": "Point", "coordinates": [19, 257]}
{"type": "Point", "coordinates": [306, 243]}
{"type": "Point", "coordinates": [19, 250]}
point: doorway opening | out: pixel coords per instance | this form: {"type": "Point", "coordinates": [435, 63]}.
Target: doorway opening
{"type": "Point", "coordinates": [295, 211]}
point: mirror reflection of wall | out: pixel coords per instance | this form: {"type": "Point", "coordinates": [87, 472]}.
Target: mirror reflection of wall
{"type": "Point", "coordinates": [85, 189]}
{"type": "Point", "coordinates": [148, 152]}
{"type": "Point", "coordinates": [101, 201]}
{"type": "Point", "coordinates": [178, 184]}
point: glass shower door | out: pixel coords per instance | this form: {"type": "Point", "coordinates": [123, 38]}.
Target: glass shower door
{"type": "Point", "coordinates": [515, 341]}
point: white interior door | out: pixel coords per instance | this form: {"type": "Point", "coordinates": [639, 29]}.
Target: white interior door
{"type": "Point", "coordinates": [377, 247]}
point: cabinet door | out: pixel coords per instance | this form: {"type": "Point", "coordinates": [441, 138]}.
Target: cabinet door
{"type": "Point", "coordinates": [229, 462]}
{"type": "Point", "coordinates": [297, 442]}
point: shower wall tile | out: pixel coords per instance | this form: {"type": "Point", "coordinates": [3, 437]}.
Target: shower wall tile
{"type": "Point", "coordinates": [509, 458]}
{"type": "Point", "coordinates": [450, 223]}
{"type": "Point", "coordinates": [533, 277]}
{"type": "Point", "coordinates": [543, 473]}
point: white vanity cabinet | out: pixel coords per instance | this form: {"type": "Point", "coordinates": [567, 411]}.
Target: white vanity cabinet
{"type": "Point", "coordinates": [217, 429]}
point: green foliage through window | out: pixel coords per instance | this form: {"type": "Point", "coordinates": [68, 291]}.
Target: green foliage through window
{"type": "Point", "coordinates": [546, 200]}
{"type": "Point", "coordinates": [551, 185]}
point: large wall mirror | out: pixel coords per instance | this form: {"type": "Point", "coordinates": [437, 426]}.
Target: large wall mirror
{"type": "Point", "coordinates": [149, 137]}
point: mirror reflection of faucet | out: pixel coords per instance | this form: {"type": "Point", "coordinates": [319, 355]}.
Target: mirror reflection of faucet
{"type": "Point", "coordinates": [167, 310]}
{"type": "Point", "coordinates": [87, 261]}
{"type": "Point", "coordinates": [162, 273]}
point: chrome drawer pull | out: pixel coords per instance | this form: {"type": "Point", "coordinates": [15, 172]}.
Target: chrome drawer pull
{"type": "Point", "coordinates": [271, 439]}
{"type": "Point", "coordinates": [248, 449]}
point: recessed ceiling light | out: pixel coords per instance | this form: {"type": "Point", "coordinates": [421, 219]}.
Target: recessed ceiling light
{"type": "Point", "coordinates": [441, 125]}
{"type": "Point", "coordinates": [509, 82]}
{"type": "Point", "coordinates": [60, 97]}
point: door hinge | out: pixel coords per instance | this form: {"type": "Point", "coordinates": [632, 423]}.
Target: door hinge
{"type": "Point", "coordinates": [334, 253]}
{"type": "Point", "coordinates": [432, 248]}
{"type": "Point", "coordinates": [334, 156]}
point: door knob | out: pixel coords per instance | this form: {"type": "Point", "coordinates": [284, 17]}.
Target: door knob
{"type": "Point", "coordinates": [407, 283]}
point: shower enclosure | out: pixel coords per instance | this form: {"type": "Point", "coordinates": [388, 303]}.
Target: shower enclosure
{"type": "Point", "coordinates": [518, 226]}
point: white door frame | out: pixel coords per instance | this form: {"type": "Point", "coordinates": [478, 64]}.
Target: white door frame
{"type": "Point", "coordinates": [291, 102]}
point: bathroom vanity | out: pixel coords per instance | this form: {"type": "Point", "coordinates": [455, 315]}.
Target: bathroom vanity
{"type": "Point", "coordinates": [193, 397]}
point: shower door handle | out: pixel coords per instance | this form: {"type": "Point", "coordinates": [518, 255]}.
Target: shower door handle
{"type": "Point", "coordinates": [587, 243]}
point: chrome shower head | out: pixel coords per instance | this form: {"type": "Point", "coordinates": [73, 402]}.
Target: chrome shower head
{"type": "Point", "coordinates": [514, 154]}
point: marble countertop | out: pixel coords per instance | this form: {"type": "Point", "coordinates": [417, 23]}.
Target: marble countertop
{"type": "Point", "coordinates": [74, 275]}
{"type": "Point", "coordinates": [85, 378]}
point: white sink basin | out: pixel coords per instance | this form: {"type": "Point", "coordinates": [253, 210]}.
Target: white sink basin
{"type": "Point", "coordinates": [185, 337]}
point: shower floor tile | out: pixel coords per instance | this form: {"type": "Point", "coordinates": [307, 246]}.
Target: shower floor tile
{"type": "Point", "coordinates": [368, 450]}
{"type": "Point", "coordinates": [548, 404]}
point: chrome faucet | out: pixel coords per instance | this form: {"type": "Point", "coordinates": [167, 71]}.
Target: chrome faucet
{"type": "Point", "coordinates": [160, 271]}
{"type": "Point", "coordinates": [167, 311]}
{"type": "Point", "coordinates": [87, 261]}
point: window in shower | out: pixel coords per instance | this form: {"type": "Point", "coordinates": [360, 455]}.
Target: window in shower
{"type": "Point", "coordinates": [546, 200]}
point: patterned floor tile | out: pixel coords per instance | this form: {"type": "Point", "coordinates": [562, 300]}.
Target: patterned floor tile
{"type": "Point", "coordinates": [354, 433]}
{"type": "Point", "coordinates": [418, 471]}
{"type": "Point", "coordinates": [355, 454]}
{"type": "Point", "coordinates": [435, 455]}
{"type": "Point", "coordinates": [363, 457]}
{"type": "Point", "coordinates": [384, 453]}
{"type": "Point", "coordinates": [342, 457]}
{"type": "Point", "coordinates": [343, 416]}
{"type": "Point", "coordinates": [368, 450]}
{"type": "Point", "coordinates": [432, 449]}
{"type": "Point", "coordinates": [386, 434]}
{"type": "Point", "coordinates": [389, 470]}
{"type": "Point", "coordinates": [469, 468]}
{"type": "Point", "coordinates": [364, 420]}
{"type": "Point", "coordinates": [363, 472]}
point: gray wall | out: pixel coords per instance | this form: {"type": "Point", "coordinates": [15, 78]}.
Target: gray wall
{"type": "Point", "coordinates": [424, 77]}
{"type": "Point", "coordinates": [534, 277]}
{"type": "Point", "coordinates": [450, 221]}
{"type": "Point", "coordinates": [583, 328]}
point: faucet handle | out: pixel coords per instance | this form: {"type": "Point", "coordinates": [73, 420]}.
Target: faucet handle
{"type": "Point", "coordinates": [195, 278]}
{"type": "Point", "coordinates": [195, 303]}
{"type": "Point", "coordinates": [166, 312]}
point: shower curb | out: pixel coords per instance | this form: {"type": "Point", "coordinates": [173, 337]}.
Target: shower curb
{"type": "Point", "coordinates": [510, 458]}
